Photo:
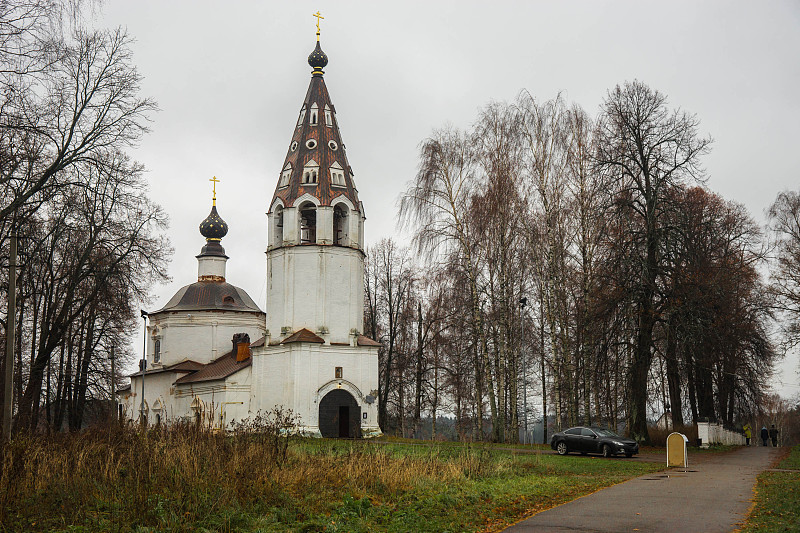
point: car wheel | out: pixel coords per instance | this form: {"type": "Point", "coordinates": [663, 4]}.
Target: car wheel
{"type": "Point", "coordinates": [607, 451]}
{"type": "Point", "coordinates": [561, 448]}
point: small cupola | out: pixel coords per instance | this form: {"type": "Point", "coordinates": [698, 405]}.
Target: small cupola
{"type": "Point", "coordinates": [317, 60]}
{"type": "Point", "coordinates": [212, 258]}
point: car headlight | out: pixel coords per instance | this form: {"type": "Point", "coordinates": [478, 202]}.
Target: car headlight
{"type": "Point", "coordinates": [618, 443]}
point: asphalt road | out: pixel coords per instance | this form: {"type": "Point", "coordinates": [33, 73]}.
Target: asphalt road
{"type": "Point", "coordinates": [712, 495]}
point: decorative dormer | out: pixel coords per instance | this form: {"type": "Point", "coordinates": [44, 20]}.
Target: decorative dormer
{"type": "Point", "coordinates": [285, 175]}
{"type": "Point", "coordinates": [337, 175]}
{"type": "Point", "coordinates": [314, 115]}
{"type": "Point", "coordinates": [310, 173]}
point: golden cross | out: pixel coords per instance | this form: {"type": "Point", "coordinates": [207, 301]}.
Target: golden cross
{"type": "Point", "coordinates": [319, 16]}
{"type": "Point", "coordinates": [215, 181]}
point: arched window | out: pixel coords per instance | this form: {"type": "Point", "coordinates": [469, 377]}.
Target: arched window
{"type": "Point", "coordinates": [308, 223]}
{"type": "Point", "coordinates": [314, 112]}
{"type": "Point", "coordinates": [277, 227]}
{"type": "Point", "coordinates": [310, 173]}
{"type": "Point", "coordinates": [158, 409]}
{"type": "Point", "coordinates": [197, 408]}
{"type": "Point", "coordinates": [328, 116]}
{"type": "Point", "coordinates": [340, 225]}
{"type": "Point", "coordinates": [337, 175]}
{"type": "Point", "coordinates": [157, 351]}
{"type": "Point", "coordinates": [302, 116]}
{"type": "Point", "coordinates": [285, 175]}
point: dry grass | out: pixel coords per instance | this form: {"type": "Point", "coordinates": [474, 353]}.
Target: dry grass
{"type": "Point", "coordinates": [168, 479]}
{"type": "Point", "coordinates": [658, 436]}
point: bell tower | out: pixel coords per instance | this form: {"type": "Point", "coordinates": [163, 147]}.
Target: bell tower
{"type": "Point", "coordinates": [315, 257]}
{"type": "Point", "coordinates": [314, 359]}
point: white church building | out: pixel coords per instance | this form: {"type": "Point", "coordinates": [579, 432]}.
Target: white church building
{"type": "Point", "coordinates": [213, 357]}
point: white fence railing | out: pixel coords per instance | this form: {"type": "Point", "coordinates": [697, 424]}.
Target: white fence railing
{"type": "Point", "coordinates": [712, 433]}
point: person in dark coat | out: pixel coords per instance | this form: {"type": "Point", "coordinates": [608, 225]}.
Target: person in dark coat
{"type": "Point", "coordinates": [764, 436]}
{"type": "Point", "coordinates": [773, 434]}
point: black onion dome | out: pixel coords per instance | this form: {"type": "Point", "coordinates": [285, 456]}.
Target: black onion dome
{"type": "Point", "coordinates": [317, 59]}
{"type": "Point", "coordinates": [213, 227]}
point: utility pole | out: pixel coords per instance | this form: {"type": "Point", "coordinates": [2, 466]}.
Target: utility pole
{"type": "Point", "coordinates": [143, 368]}
{"type": "Point", "coordinates": [522, 303]}
{"type": "Point", "coordinates": [113, 388]}
{"type": "Point", "coordinates": [11, 321]}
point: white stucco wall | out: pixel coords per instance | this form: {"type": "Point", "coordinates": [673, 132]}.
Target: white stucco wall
{"type": "Point", "coordinates": [223, 401]}
{"type": "Point", "coordinates": [201, 336]}
{"type": "Point", "coordinates": [156, 387]}
{"type": "Point", "coordinates": [298, 375]}
{"type": "Point", "coordinates": [211, 266]}
{"type": "Point", "coordinates": [315, 287]}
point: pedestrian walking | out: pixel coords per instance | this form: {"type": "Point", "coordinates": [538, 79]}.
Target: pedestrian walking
{"type": "Point", "coordinates": [764, 436]}
{"type": "Point", "coordinates": [773, 435]}
{"type": "Point", "coordinates": [747, 433]}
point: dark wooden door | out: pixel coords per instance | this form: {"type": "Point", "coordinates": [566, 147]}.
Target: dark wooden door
{"type": "Point", "coordinates": [339, 415]}
{"type": "Point", "coordinates": [344, 421]}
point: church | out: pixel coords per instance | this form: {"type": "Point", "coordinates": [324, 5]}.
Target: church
{"type": "Point", "coordinates": [214, 358]}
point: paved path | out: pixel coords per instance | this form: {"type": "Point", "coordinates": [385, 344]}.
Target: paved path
{"type": "Point", "coordinates": [713, 495]}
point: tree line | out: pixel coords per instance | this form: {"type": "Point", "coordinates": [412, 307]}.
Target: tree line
{"type": "Point", "coordinates": [90, 240]}
{"type": "Point", "coordinates": [579, 261]}
{"type": "Point", "coordinates": [575, 261]}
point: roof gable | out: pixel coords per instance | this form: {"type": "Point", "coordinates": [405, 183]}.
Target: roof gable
{"type": "Point", "coordinates": [304, 335]}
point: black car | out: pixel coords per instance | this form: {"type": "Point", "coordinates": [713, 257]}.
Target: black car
{"type": "Point", "coordinates": [593, 440]}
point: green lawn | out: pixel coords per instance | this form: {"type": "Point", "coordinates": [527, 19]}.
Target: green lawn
{"type": "Point", "coordinates": [510, 485]}
{"type": "Point", "coordinates": [777, 502]}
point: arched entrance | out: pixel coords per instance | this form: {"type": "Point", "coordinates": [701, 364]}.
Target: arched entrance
{"type": "Point", "coordinates": [339, 415]}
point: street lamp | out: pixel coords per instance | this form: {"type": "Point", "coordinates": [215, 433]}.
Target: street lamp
{"type": "Point", "coordinates": [143, 368]}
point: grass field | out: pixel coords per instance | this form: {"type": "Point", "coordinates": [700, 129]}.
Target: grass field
{"type": "Point", "coordinates": [777, 502]}
{"type": "Point", "coordinates": [184, 480]}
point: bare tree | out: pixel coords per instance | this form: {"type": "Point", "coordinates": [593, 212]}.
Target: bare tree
{"type": "Point", "coordinates": [645, 148]}
{"type": "Point", "coordinates": [785, 225]}
{"type": "Point", "coordinates": [82, 105]}
{"type": "Point", "coordinates": [390, 275]}
{"type": "Point", "coordinates": [98, 254]}
{"type": "Point", "coordinates": [436, 205]}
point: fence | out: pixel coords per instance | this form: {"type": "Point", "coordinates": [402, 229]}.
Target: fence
{"type": "Point", "coordinates": [713, 433]}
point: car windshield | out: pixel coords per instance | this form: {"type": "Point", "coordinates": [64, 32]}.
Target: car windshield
{"type": "Point", "coordinates": [604, 432]}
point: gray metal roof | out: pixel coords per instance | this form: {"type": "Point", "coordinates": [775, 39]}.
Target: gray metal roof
{"type": "Point", "coordinates": [211, 296]}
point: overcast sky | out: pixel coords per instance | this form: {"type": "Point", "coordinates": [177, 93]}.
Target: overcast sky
{"type": "Point", "coordinates": [230, 78]}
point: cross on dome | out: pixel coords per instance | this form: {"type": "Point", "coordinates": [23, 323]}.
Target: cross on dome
{"type": "Point", "coordinates": [319, 16]}
{"type": "Point", "coordinates": [214, 189]}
